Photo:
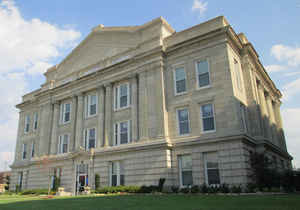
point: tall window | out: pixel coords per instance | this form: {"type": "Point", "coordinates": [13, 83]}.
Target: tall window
{"type": "Point", "coordinates": [122, 132]}
{"type": "Point", "coordinates": [63, 143]}
{"type": "Point", "coordinates": [122, 96]}
{"type": "Point", "coordinates": [117, 174]}
{"type": "Point", "coordinates": [183, 121]}
{"type": "Point", "coordinates": [27, 123]}
{"type": "Point", "coordinates": [208, 118]}
{"type": "Point", "coordinates": [91, 105]}
{"type": "Point", "coordinates": [237, 74]}
{"type": "Point", "coordinates": [35, 121]}
{"type": "Point", "coordinates": [90, 138]}
{"type": "Point", "coordinates": [185, 170]}
{"type": "Point", "coordinates": [212, 168]}
{"type": "Point", "coordinates": [20, 179]}
{"type": "Point", "coordinates": [24, 151]}
{"type": "Point", "coordinates": [180, 80]}
{"type": "Point", "coordinates": [243, 117]}
{"type": "Point", "coordinates": [65, 112]}
{"type": "Point", "coordinates": [202, 70]}
{"type": "Point", "coordinates": [32, 149]}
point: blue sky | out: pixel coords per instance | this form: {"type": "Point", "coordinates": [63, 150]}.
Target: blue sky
{"type": "Point", "coordinates": [37, 34]}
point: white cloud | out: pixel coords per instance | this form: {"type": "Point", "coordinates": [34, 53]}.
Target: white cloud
{"type": "Point", "coordinates": [291, 89]}
{"type": "Point", "coordinates": [275, 68]}
{"type": "Point", "coordinates": [288, 54]}
{"type": "Point", "coordinates": [291, 74]}
{"type": "Point", "coordinates": [27, 42]}
{"type": "Point", "coordinates": [291, 122]}
{"type": "Point", "coordinates": [199, 6]}
{"type": "Point", "coordinates": [27, 48]}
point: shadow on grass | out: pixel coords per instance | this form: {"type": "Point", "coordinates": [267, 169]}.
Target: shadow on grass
{"type": "Point", "coordinates": [157, 202]}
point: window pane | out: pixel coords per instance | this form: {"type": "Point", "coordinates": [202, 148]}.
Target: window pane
{"type": "Point", "coordinates": [180, 86]}
{"type": "Point", "coordinates": [92, 138]}
{"type": "Point", "coordinates": [212, 165]}
{"type": "Point", "coordinates": [114, 180]}
{"type": "Point", "coordinates": [179, 74]}
{"type": "Point", "coordinates": [124, 138]}
{"type": "Point", "coordinates": [123, 90]}
{"type": "Point", "coordinates": [207, 110]}
{"type": "Point", "coordinates": [122, 180]}
{"type": "Point", "coordinates": [114, 167]}
{"type": "Point", "coordinates": [123, 101]}
{"type": "Point", "coordinates": [184, 128]}
{"type": "Point", "coordinates": [208, 124]}
{"type": "Point", "coordinates": [203, 79]}
{"type": "Point", "coordinates": [213, 176]}
{"type": "Point", "coordinates": [92, 133]}
{"type": "Point", "coordinates": [202, 67]}
{"type": "Point", "coordinates": [68, 107]}
{"type": "Point", "coordinates": [92, 109]}
{"type": "Point", "coordinates": [124, 132]}
{"type": "Point", "coordinates": [67, 116]}
{"type": "Point", "coordinates": [183, 115]}
{"type": "Point", "coordinates": [187, 178]}
{"type": "Point", "coordinates": [186, 162]}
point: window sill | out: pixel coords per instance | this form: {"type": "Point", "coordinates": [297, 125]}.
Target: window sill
{"type": "Point", "coordinates": [184, 135]}
{"type": "Point", "coordinates": [180, 94]}
{"type": "Point", "coordinates": [121, 109]}
{"type": "Point", "coordinates": [207, 132]}
{"type": "Point", "coordinates": [65, 123]}
{"type": "Point", "coordinates": [91, 116]}
{"type": "Point", "coordinates": [204, 87]}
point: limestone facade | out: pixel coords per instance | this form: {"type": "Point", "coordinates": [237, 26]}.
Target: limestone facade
{"type": "Point", "coordinates": [138, 103]}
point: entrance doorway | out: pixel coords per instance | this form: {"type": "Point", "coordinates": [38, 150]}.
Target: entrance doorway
{"type": "Point", "coordinates": [82, 178]}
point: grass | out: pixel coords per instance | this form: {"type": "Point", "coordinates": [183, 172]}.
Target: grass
{"type": "Point", "coordinates": [157, 202]}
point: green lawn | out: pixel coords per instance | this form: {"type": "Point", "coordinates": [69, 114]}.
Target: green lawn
{"type": "Point", "coordinates": [157, 202]}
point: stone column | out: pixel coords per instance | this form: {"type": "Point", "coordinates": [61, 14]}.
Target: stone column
{"type": "Point", "coordinates": [79, 122]}
{"type": "Point", "coordinates": [272, 120]}
{"type": "Point", "coordinates": [46, 128]}
{"type": "Point", "coordinates": [143, 107]}
{"type": "Point", "coordinates": [263, 110]}
{"type": "Point", "coordinates": [280, 133]}
{"type": "Point", "coordinates": [134, 109]}
{"type": "Point", "coordinates": [100, 130]}
{"type": "Point", "coordinates": [108, 113]}
{"type": "Point", "coordinates": [18, 148]}
{"type": "Point", "coordinates": [55, 122]}
{"type": "Point", "coordinates": [73, 124]}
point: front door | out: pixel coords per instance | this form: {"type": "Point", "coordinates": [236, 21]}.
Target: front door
{"type": "Point", "coordinates": [82, 177]}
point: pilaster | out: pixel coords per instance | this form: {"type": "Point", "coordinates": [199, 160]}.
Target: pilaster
{"type": "Point", "coordinates": [134, 108]}
{"type": "Point", "coordinates": [54, 137]}
{"type": "Point", "coordinates": [101, 110]}
{"type": "Point", "coordinates": [73, 123]}
{"type": "Point", "coordinates": [79, 122]}
{"type": "Point", "coordinates": [108, 113]}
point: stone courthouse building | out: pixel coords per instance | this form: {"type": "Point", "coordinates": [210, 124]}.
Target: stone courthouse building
{"type": "Point", "coordinates": [138, 103]}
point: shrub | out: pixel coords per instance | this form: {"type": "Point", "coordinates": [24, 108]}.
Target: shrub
{"type": "Point", "coordinates": [175, 189]}
{"type": "Point", "coordinates": [18, 188]}
{"type": "Point", "coordinates": [161, 183]}
{"type": "Point", "coordinates": [213, 189]}
{"type": "Point", "coordinates": [203, 188]}
{"type": "Point", "coordinates": [116, 189]}
{"type": "Point", "coordinates": [236, 189]}
{"type": "Point", "coordinates": [56, 183]}
{"type": "Point", "coordinates": [35, 192]}
{"type": "Point", "coordinates": [185, 190]}
{"type": "Point", "coordinates": [97, 181]}
{"type": "Point", "coordinates": [224, 188]}
{"type": "Point", "coordinates": [275, 189]}
{"type": "Point", "coordinates": [195, 189]}
{"type": "Point", "coordinates": [250, 188]}
{"type": "Point", "coordinates": [287, 181]}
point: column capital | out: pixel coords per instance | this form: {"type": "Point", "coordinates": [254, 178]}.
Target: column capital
{"type": "Point", "coordinates": [108, 85]}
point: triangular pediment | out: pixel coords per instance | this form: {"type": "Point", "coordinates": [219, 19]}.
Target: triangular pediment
{"type": "Point", "coordinates": [96, 47]}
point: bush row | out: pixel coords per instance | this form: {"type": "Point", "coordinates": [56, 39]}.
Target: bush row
{"type": "Point", "coordinates": [36, 192]}
{"type": "Point", "coordinates": [128, 189]}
